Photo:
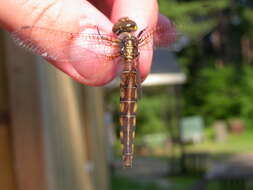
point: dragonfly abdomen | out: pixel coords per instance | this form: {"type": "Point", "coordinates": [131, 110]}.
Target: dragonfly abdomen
{"type": "Point", "coordinates": [128, 108]}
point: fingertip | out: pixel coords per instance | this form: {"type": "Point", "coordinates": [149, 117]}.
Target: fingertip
{"type": "Point", "coordinates": [145, 61]}
{"type": "Point", "coordinates": [144, 13]}
{"type": "Point", "coordinates": [99, 78]}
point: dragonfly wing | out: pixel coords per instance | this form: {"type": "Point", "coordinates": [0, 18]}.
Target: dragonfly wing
{"type": "Point", "coordinates": [91, 53]}
{"type": "Point", "coordinates": [139, 88]}
{"type": "Point", "coordinates": [25, 38]}
{"type": "Point", "coordinates": [163, 35]}
{"type": "Point", "coordinates": [55, 45]}
{"type": "Point", "coordinates": [138, 78]}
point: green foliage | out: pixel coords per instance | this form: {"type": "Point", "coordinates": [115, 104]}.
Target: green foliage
{"type": "Point", "coordinates": [221, 93]}
{"type": "Point", "coordinates": [150, 116]}
{"type": "Point", "coordinates": [215, 92]}
{"type": "Point", "coordinates": [247, 21]}
{"type": "Point", "coordinates": [193, 18]}
{"type": "Point", "coordinates": [246, 111]}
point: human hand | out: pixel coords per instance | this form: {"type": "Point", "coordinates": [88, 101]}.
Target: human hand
{"type": "Point", "coordinates": [72, 15]}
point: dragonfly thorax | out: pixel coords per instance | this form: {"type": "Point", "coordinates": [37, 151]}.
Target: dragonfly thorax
{"type": "Point", "coordinates": [129, 46]}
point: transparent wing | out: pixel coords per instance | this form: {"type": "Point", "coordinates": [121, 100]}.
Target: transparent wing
{"type": "Point", "coordinates": [163, 35]}
{"type": "Point", "coordinates": [139, 88]}
{"type": "Point", "coordinates": [64, 46]}
{"type": "Point", "coordinates": [138, 78]}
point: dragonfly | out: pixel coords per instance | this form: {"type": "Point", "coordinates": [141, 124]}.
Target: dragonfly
{"type": "Point", "coordinates": [122, 47]}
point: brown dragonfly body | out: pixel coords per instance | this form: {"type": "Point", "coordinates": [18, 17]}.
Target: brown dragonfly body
{"type": "Point", "coordinates": [129, 83]}
{"type": "Point", "coordinates": [103, 48]}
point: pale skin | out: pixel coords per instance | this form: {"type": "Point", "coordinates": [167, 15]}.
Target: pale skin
{"type": "Point", "coordinates": [72, 15]}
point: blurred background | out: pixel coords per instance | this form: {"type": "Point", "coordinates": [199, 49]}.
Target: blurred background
{"type": "Point", "coordinates": [194, 124]}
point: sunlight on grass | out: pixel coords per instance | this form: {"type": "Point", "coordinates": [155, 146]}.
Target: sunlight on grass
{"type": "Point", "coordinates": [235, 144]}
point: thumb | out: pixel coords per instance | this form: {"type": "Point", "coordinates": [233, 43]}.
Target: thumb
{"type": "Point", "coordinates": [53, 24]}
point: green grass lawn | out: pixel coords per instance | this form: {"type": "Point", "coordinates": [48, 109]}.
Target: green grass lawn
{"type": "Point", "coordinates": [183, 182]}
{"type": "Point", "coordinates": [122, 183]}
{"type": "Point", "coordinates": [233, 145]}
{"type": "Point", "coordinates": [178, 183]}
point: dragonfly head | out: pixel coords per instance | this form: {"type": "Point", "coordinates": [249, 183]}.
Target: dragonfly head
{"type": "Point", "coordinates": [124, 25]}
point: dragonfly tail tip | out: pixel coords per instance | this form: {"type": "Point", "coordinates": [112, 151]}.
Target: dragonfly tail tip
{"type": "Point", "coordinates": [127, 161]}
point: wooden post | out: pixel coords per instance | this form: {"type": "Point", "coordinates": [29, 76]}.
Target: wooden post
{"type": "Point", "coordinates": [7, 180]}
{"type": "Point", "coordinates": [94, 119]}
{"type": "Point", "coordinates": [25, 118]}
{"type": "Point", "coordinates": [63, 123]}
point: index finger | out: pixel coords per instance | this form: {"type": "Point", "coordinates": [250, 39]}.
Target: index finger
{"type": "Point", "coordinates": [145, 14]}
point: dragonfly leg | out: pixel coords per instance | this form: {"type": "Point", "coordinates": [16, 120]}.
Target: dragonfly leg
{"type": "Point", "coordinates": [141, 32]}
{"type": "Point", "coordinates": [117, 41]}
